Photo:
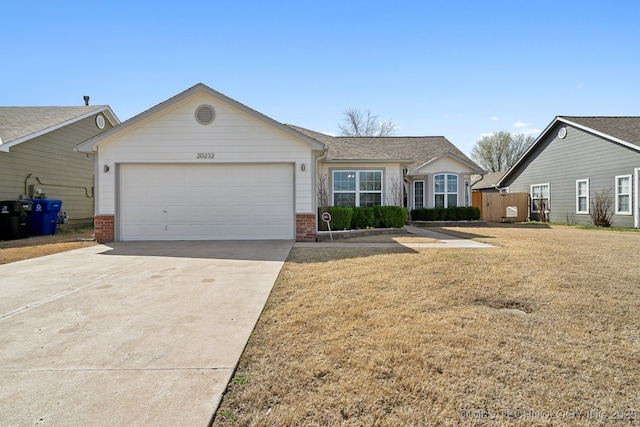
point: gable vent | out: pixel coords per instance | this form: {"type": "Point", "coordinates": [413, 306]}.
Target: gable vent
{"type": "Point", "coordinates": [205, 114]}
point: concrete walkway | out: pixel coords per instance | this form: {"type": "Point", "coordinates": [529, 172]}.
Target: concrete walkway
{"type": "Point", "coordinates": [133, 333]}
{"type": "Point", "coordinates": [444, 241]}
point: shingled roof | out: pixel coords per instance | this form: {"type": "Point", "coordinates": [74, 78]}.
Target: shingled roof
{"type": "Point", "coordinates": [18, 124]}
{"type": "Point", "coordinates": [414, 151]}
{"type": "Point", "coordinates": [624, 128]}
{"type": "Point", "coordinates": [350, 149]}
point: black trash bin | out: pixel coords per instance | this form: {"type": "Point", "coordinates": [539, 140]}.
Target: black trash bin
{"type": "Point", "coordinates": [14, 219]}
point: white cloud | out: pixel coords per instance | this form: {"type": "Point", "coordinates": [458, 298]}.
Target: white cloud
{"type": "Point", "coordinates": [520, 124]}
{"type": "Point", "coordinates": [530, 131]}
{"type": "Point", "coordinates": [494, 118]}
{"type": "Point", "coordinates": [486, 135]}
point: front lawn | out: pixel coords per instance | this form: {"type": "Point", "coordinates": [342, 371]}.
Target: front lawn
{"type": "Point", "coordinates": [421, 336]}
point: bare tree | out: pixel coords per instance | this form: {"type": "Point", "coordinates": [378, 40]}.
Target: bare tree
{"type": "Point", "coordinates": [395, 196]}
{"type": "Point", "coordinates": [365, 123]}
{"type": "Point", "coordinates": [501, 150]}
{"type": "Point", "coordinates": [601, 209]}
{"type": "Point", "coordinates": [323, 190]}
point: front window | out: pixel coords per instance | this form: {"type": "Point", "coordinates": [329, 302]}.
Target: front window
{"type": "Point", "coordinates": [540, 198]}
{"type": "Point", "coordinates": [623, 194]}
{"type": "Point", "coordinates": [357, 188]}
{"type": "Point", "coordinates": [445, 190]}
{"type": "Point", "coordinates": [582, 196]}
{"type": "Point", "coordinates": [418, 194]}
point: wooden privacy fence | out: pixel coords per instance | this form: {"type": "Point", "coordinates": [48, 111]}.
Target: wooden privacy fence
{"type": "Point", "coordinates": [497, 207]}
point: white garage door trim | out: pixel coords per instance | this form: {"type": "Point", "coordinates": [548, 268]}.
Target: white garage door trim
{"type": "Point", "coordinates": [170, 201]}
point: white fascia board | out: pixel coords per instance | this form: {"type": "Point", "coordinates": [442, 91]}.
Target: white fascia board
{"type": "Point", "coordinates": [544, 133]}
{"type": "Point", "coordinates": [526, 153]}
{"type": "Point", "coordinates": [90, 144]}
{"type": "Point", "coordinates": [601, 134]}
{"type": "Point", "coordinates": [453, 156]}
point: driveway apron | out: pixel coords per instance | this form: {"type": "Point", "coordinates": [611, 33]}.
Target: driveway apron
{"type": "Point", "coordinates": [130, 333]}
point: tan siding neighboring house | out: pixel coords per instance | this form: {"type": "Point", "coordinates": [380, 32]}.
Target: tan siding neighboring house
{"type": "Point", "coordinates": [38, 152]}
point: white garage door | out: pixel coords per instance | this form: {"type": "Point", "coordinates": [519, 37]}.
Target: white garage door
{"type": "Point", "coordinates": [206, 202]}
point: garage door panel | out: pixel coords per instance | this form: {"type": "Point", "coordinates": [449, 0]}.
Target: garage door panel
{"type": "Point", "coordinates": [206, 202]}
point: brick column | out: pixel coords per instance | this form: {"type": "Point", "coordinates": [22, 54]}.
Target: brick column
{"type": "Point", "coordinates": [305, 227]}
{"type": "Point", "coordinates": [103, 227]}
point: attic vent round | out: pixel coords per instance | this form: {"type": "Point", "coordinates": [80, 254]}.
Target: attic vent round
{"type": "Point", "coordinates": [562, 132]}
{"type": "Point", "coordinates": [205, 114]}
{"type": "Point", "coordinates": [100, 121]}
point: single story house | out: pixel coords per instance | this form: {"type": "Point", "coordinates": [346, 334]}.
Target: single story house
{"type": "Point", "coordinates": [418, 171]}
{"type": "Point", "coordinates": [574, 159]}
{"type": "Point", "coordinates": [38, 157]}
{"type": "Point", "coordinates": [202, 166]}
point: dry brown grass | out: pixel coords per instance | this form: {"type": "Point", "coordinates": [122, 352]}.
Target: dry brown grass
{"type": "Point", "coordinates": [416, 337]}
{"type": "Point", "coordinates": [32, 247]}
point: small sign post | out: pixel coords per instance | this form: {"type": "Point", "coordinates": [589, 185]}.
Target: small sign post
{"type": "Point", "coordinates": [326, 217]}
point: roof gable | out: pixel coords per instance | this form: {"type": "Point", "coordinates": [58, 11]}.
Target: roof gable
{"type": "Point", "coordinates": [624, 130]}
{"type": "Point", "coordinates": [447, 159]}
{"type": "Point", "coordinates": [20, 124]}
{"type": "Point", "coordinates": [92, 144]}
{"type": "Point", "coordinates": [621, 130]}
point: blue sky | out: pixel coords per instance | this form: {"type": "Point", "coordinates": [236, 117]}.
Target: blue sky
{"type": "Point", "coordinates": [455, 68]}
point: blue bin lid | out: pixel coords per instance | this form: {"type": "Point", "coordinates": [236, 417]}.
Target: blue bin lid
{"type": "Point", "coordinates": [45, 205]}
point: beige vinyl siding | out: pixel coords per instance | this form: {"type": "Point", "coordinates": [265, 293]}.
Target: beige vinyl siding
{"type": "Point", "coordinates": [64, 173]}
{"type": "Point", "coordinates": [175, 137]}
{"type": "Point", "coordinates": [580, 155]}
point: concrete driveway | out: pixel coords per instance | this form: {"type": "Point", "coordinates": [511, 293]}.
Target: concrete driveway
{"type": "Point", "coordinates": [130, 333]}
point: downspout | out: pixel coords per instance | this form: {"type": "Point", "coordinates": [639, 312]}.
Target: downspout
{"type": "Point", "coordinates": [325, 152]}
{"type": "Point", "coordinates": [636, 211]}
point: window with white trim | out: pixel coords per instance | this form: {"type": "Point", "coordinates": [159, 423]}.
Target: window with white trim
{"type": "Point", "coordinates": [582, 196]}
{"type": "Point", "coordinates": [623, 195]}
{"type": "Point", "coordinates": [357, 188]}
{"type": "Point", "coordinates": [445, 190]}
{"type": "Point", "coordinates": [540, 198]}
{"type": "Point", "coordinates": [418, 194]}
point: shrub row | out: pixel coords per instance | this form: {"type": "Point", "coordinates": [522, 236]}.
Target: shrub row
{"type": "Point", "coordinates": [459, 213]}
{"type": "Point", "coordinates": [373, 217]}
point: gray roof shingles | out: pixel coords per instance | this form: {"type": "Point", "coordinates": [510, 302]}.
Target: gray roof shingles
{"type": "Point", "coordinates": [19, 122]}
{"type": "Point", "coordinates": [413, 150]}
{"type": "Point", "coordinates": [624, 128]}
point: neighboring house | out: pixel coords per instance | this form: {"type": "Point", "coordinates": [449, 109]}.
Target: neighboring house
{"type": "Point", "coordinates": [37, 156]}
{"type": "Point", "coordinates": [416, 172]}
{"type": "Point", "coordinates": [575, 158]}
{"type": "Point", "coordinates": [202, 166]}
{"type": "Point", "coordinates": [487, 183]}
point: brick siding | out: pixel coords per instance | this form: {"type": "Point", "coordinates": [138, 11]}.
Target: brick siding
{"type": "Point", "coordinates": [305, 227]}
{"type": "Point", "coordinates": [104, 229]}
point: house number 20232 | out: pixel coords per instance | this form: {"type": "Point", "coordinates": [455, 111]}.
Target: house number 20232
{"type": "Point", "coordinates": [205, 156]}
